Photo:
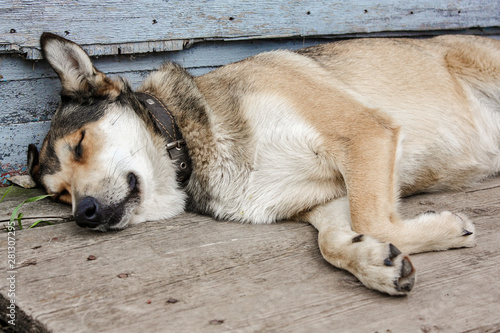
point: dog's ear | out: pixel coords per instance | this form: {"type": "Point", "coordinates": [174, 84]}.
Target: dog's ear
{"type": "Point", "coordinates": [74, 67]}
{"type": "Point", "coordinates": [33, 164]}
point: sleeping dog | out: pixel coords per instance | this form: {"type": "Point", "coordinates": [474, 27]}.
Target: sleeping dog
{"type": "Point", "coordinates": [331, 135]}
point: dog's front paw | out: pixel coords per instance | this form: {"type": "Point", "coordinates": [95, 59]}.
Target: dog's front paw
{"type": "Point", "coordinates": [385, 268]}
{"type": "Point", "coordinates": [380, 266]}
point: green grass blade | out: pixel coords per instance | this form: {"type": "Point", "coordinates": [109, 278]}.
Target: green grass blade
{"type": "Point", "coordinates": [36, 223]}
{"type": "Point", "coordinates": [6, 192]}
{"type": "Point", "coordinates": [19, 215]}
{"type": "Point", "coordinates": [15, 213]}
{"type": "Point", "coordinates": [18, 218]}
{"type": "Point", "coordinates": [40, 197]}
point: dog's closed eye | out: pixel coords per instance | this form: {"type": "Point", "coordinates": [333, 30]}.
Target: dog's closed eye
{"type": "Point", "coordinates": [63, 196]}
{"type": "Point", "coordinates": [78, 150]}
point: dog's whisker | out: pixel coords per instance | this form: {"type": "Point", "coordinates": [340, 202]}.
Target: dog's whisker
{"type": "Point", "coordinates": [110, 164]}
{"type": "Point", "coordinates": [113, 122]}
{"type": "Point", "coordinates": [118, 166]}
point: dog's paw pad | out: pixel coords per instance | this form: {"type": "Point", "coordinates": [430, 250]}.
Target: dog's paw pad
{"type": "Point", "coordinates": [403, 270]}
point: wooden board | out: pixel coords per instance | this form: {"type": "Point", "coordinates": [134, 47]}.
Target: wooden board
{"type": "Point", "coordinates": [229, 277]}
{"type": "Point", "coordinates": [130, 27]}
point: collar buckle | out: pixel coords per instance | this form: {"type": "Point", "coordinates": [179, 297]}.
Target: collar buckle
{"type": "Point", "coordinates": [176, 144]}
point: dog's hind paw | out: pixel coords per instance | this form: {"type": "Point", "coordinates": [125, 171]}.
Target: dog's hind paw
{"type": "Point", "coordinates": [442, 231]}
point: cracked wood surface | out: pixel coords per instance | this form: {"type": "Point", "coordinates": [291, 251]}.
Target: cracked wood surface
{"type": "Point", "coordinates": [194, 274]}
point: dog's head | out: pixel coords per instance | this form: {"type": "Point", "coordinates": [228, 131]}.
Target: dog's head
{"type": "Point", "coordinates": [103, 153]}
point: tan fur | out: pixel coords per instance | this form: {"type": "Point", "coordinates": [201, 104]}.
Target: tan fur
{"type": "Point", "coordinates": [332, 135]}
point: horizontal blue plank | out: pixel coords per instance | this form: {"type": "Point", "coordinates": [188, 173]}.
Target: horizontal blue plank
{"type": "Point", "coordinates": [14, 141]}
{"type": "Point", "coordinates": [131, 27]}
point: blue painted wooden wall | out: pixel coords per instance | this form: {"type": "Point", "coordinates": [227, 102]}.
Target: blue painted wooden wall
{"type": "Point", "coordinates": [131, 38]}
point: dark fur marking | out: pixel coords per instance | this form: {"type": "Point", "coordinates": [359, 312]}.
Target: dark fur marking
{"type": "Point", "coordinates": [51, 163]}
{"type": "Point", "coordinates": [185, 95]}
{"type": "Point", "coordinates": [72, 116]}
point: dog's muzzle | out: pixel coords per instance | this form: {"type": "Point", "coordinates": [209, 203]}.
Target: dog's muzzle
{"type": "Point", "coordinates": [91, 213]}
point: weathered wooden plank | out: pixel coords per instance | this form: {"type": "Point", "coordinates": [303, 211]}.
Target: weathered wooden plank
{"type": "Point", "coordinates": [246, 278]}
{"type": "Point", "coordinates": [113, 26]}
{"type": "Point", "coordinates": [28, 100]}
{"type": "Point", "coordinates": [210, 54]}
{"type": "Point", "coordinates": [14, 140]}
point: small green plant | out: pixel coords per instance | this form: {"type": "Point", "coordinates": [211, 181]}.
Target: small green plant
{"type": "Point", "coordinates": [16, 216]}
{"type": "Point", "coordinates": [6, 192]}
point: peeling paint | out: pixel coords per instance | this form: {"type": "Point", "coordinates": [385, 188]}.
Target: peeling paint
{"type": "Point", "coordinates": [8, 170]}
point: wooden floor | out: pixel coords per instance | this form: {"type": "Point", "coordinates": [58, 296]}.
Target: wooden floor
{"type": "Point", "coordinates": [192, 274]}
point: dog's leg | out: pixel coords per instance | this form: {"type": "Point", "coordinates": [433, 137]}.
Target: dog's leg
{"type": "Point", "coordinates": [363, 231]}
{"type": "Point", "coordinates": [370, 173]}
{"type": "Point", "coordinates": [380, 266]}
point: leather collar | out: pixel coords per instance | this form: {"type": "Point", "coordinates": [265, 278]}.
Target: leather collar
{"type": "Point", "coordinates": [165, 122]}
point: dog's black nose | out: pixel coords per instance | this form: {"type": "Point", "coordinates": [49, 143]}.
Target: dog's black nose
{"type": "Point", "coordinates": [87, 214]}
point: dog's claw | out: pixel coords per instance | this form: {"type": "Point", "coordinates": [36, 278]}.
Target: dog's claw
{"type": "Point", "coordinates": [407, 280]}
{"type": "Point", "coordinates": [388, 262]}
{"type": "Point", "coordinates": [406, 268]}
{"type": "Point", "coordinates": [358, 238]}
{"type": "Point", "coordinates": [393, 253]}
{"type": "Point", "coordinates": [466, 232]}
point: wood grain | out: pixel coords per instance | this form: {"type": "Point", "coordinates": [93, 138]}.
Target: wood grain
{"type": "Point", "coordinates": [114, 26]}
{"type": "Point", "coordinates": [245, 278]}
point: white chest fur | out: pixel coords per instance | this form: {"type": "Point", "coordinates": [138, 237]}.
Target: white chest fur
{"type": "Point", "coordinates": [289, 172]}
